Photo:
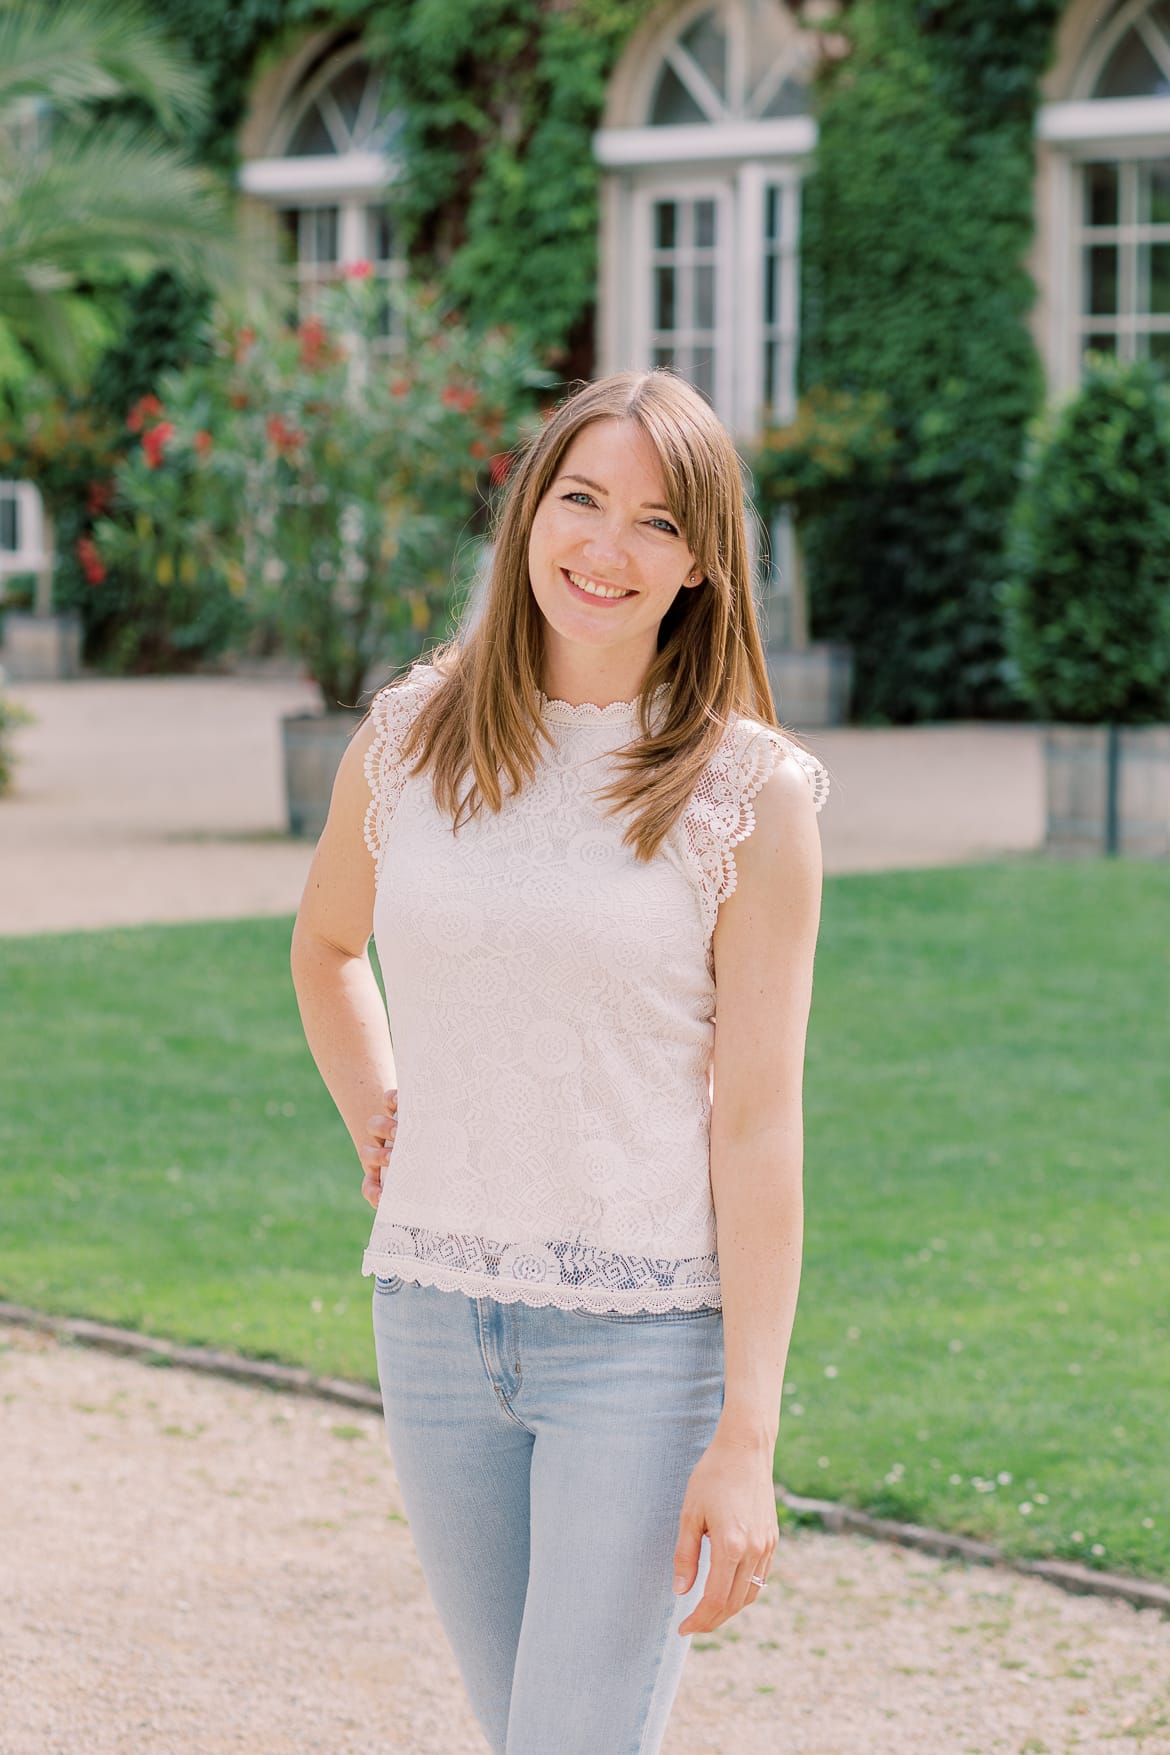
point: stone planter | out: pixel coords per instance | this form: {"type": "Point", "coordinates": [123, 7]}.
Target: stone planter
{"type": "Point", "coordinates": [41, 648]}
{"type": "Point", "coordinates": [812, 685]}
{"type": "Point", "coordinates": [313, 745]}
{"type": "Point", "coordinates": [1077, 760]}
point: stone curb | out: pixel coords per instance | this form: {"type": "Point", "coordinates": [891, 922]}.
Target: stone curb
{"type": "Point", "coordinates": [836, 1519]}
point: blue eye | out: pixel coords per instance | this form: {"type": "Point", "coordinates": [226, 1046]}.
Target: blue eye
{"type": "Point", "coordinates": [580, 494]}
{"type": "Point", "coordinates": [663, 524]}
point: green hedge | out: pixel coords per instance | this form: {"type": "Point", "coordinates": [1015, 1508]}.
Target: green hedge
{"type": "Point", "coordinates": [1087, 595]}
{"type": "Point", "coordinates": [917, 219]}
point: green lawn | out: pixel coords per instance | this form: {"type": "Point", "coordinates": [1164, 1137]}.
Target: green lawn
{"type": "Point", "coordinates": [984, 1315]}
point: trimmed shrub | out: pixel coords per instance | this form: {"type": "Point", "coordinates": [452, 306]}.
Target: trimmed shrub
{"type": "Point", "coordinates": [1086, 600]}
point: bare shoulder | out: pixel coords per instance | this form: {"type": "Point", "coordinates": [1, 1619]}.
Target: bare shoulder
{"type": "Point", "coordinates": [783, 838]}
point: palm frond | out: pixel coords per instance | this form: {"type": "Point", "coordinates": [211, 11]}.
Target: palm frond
{"type": "Point", "coordinates": [70, 52]}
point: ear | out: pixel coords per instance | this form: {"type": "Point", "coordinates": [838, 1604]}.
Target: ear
{"type": "Point", "coordinates": [694, 578]}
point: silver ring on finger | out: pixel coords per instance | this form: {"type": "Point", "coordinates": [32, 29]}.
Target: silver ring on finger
{"type": "Point", "coordinates": [761, 1582]}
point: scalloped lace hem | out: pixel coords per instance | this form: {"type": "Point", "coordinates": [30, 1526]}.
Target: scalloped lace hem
{"type": "Point", "coordinates": [568, 1276]}
{"type": "Point", "coordinates": [537, 1298]}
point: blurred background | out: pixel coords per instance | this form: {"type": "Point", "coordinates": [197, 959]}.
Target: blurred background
{"type": "Point", "coordinates": [282, 286]}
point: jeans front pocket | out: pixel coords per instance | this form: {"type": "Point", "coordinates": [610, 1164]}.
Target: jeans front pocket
{"type": "Point", "coordinates": [385, 1285]}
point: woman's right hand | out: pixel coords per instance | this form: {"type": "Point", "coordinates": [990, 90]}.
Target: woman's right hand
{"type": "Point", "coordinates": [376, 1155]}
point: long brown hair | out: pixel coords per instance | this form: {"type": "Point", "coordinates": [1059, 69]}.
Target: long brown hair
{"type": "Point", "coordinates": [484, 718]}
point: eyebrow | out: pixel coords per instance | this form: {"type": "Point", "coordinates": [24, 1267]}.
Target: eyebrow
{"type": "Point", "coordinates": [598, 489]}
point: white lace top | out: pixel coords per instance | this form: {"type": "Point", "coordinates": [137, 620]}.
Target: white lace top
{"type": "Point", "coordinates": [551, 1003]}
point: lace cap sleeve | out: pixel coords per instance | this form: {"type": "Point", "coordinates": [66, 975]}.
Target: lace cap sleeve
{"type": "Point", "coordinates": [392, 715]}
{"type": "Point", "coordinates": [721, 815]}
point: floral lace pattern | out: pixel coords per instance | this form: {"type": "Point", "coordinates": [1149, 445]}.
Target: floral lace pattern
{"type": "Point", "coordinates": [541, 1274]}
{"type": "Point", "coordinates": [551, 1002]}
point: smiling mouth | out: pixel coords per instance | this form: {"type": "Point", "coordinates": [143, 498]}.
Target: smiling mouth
{"type": "Point", "coordinates": [583, 586]}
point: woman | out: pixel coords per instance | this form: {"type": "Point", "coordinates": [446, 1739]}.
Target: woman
{"type": "Point", "coordinates": [582, 1394]}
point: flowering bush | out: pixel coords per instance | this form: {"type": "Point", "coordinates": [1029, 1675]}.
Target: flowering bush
{"type": "Point", "coordinates": [835, 438]}
{"type": "Point", "coordinates": [329, 477]}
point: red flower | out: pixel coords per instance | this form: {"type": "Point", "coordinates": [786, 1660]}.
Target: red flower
{"type": "Point", "coordinates": [500, 467]}
{"type": "Point", "coordinates": [478, 448]}
{"type": "Point", "coordinates": [314, 342]}
{"type": "Point", "coordinates": [154, 443]}
{"type": "Point", "coordinates": [358, 270]}
{"type": "Point", "coordinates": [144, 409]}
{"type": "Point", "coordinates": [97, 497]}
{"type": "Point", "coordinates": [203, 442]}
{"type": "Point", "coordinates": [400, 387]}
{"type": "Point", "coordinates": [91, 560]}
{"type": "Point", "coordinates": [244, 340]}
{"type": "Point", "coordinates": [238, 399]}
{"type": "Point", "coordinates": [282, 437]}
{"type": "Point", "coordinates": [464, 400]}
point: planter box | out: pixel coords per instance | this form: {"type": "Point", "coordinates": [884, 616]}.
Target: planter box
{"type": "Point", "coordinates": [1076, 771]}
{"type": "Point", "coordinates": [812, 685]}
{"type": "Point", "coordinates": [313, 744]}
{"type": "Point", "coordinates": [41, 648]}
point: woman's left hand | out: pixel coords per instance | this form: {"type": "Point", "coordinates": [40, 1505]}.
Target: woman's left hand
{"type": "Point", "coordinates": [731, 1497]}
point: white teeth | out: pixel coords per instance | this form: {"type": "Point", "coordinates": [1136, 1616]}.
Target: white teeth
{"type": "Point", "coordinates": [596, 590]}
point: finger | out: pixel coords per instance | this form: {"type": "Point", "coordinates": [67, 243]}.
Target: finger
{"type": "Point", "coordinates": [371, 1190]}
{"type": "Point", "coordinates": [374, 1159]}
{"type": "Point", "coordinates": [391, 1099]}
{"type": "Point", "coordinates": [383, 1136]}
{"type": "Point", "coordinates": [712, 1607]}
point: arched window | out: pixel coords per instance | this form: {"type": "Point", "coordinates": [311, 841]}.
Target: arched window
{"type": "Point", "coordinates": [1109, 192]}
{"type": "Point", "coordinates": [330, 158]}
{"type": "Point", "coordinates": [707, 133]}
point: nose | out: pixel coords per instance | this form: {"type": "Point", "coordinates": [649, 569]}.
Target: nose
{"type": "Point", "coordinates": [606, 548]}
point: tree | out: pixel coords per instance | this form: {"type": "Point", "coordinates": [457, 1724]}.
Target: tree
{"type": "Point", "coordinates": [92, 190]}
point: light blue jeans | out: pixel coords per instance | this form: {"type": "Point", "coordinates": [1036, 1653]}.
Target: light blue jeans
{"type": "Point", "coordinates": [543, 1456]}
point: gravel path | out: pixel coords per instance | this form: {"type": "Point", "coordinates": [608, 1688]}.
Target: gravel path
{"type": "Point", "coordinates": [161, 798]}
{"type": "Point", "coordinates": [192, 1566]}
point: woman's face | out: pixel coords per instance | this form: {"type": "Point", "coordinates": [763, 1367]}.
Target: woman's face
{"type": "Point", "coordinates": [606, 557]}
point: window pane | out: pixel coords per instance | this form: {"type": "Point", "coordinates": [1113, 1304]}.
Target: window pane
{"type": "Point", "coordinates": [789, 99]}
{"type": "Point", "coordinates": [664, 316]}
{"type": "Point", "coordinates": [1131, 71]}
{"type": "Point", "coordinates": [771, 289]}
{"type": "Point", "coordinates": [706, 44]}
{"type": "Point", "coordinates": [702, 374]}
{"type": "Point", "coordinates": [665, 213]}
{"type": "Point", "coordinates": [1101, 279]}
{"type": "Point", "coordinates": [771, 383]}
{"type": "Point", "coordinates": [9, 523]}
{"type": "Point", "coordinates": [772, 213]}
{"type": "Point", "coordinates": [319, 235]}
{"type": "Point", "coordinates": [673, 103]}
{"type": "Point", "coordinates": [380, 235]}
{"type": "Point", "coordinates": [1154, 193]}
{"type": "Point", "coordinates": [664, 356]}
{"type": "Point", "coordinates": [1159, 348]}
{"type": "Point", "coordinates": [705, 296]}
{"type": "Point", "coordinates": [311, 137]}
{"type": "Point", "coordinates": [705, 224]}
{"type": "Point", "coordinates": [1154, 278]}
{"type": "Point", "coordinates": [1100, 344]}
{"type": "Point", "coordinates": [348, 90]}
{"type": "Point", "coordinates": [1101, 194]}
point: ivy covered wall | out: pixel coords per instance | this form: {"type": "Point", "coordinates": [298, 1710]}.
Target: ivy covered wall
{"type": "Point", "coordinates": [499, 100]}
{"type": "Point", "coordinates": [916, 225]}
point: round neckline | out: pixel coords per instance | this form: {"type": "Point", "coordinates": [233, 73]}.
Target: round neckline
{"type": "Point", "coordinates": [587, 712]}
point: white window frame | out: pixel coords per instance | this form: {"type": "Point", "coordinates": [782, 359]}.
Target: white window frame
{"type": "Point", "coordinates": [688, 189]}
{"type": "Point", "coordinates": [30, 555]}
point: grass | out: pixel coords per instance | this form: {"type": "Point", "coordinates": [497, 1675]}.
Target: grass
{"type": "Point", "coordinates": [983, 1317]}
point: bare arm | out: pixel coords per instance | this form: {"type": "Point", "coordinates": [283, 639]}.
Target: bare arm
{"type": "Point", "coordinates": [765, 937]}
{"type": "Point", "coordinates": [337, 992]}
